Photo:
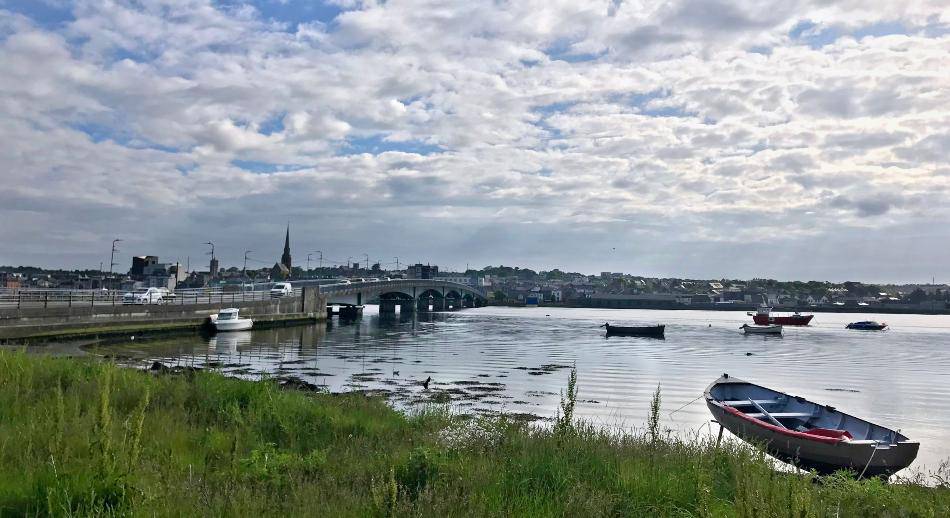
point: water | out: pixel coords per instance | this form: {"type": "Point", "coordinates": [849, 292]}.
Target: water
{"type": "Point", "coordinates": [517, 360]}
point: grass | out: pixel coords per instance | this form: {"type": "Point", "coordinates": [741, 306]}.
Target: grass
{"type": "Point", "coordinates": [83, 437]}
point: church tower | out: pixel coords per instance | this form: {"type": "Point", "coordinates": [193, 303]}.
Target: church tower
{"type": "Point", "coordinates": [285, 258]}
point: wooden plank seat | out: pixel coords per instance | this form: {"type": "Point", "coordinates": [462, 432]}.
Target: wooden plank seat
{"type": "Point", "coordinates": [746, 402]}
{"type": "Point", "coordinates": [780, 415]}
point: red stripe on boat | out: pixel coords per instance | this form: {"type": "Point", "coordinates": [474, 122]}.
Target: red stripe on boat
{"type": "Point", "coordinates": [822, 434]}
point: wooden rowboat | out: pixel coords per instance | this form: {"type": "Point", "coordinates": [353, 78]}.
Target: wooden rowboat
{"type": "Point", "coordinates": [761, 330]}
{"type": "Point", "coordinates": [650, 331]}
{"type": "Point", "coordinates": [807, 434]}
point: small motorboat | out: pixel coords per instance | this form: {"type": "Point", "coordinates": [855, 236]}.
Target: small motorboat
{"type": "Point", "coordinates": [761, 330]}
{"type": "Point", "coordinates": [656, 331]}
{"type": "Point", "coordinates": [867, 325]}
{"type": "Point", "coordinates": [229, 320]}
{"type": "Point", "coordinates": [763, 316]}
{"type": "Point", "coordinates": [806, 434]}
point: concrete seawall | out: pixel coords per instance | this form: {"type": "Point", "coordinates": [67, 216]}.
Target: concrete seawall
{"type": "Point", "coordinates": [30, 325]}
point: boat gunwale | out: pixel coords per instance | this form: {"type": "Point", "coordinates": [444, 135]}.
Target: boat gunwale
{"type": "Point", "coordinates": [794, 433]}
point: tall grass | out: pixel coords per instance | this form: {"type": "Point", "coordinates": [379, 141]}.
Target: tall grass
{"type": "Point", "coordinates": [81, 437]}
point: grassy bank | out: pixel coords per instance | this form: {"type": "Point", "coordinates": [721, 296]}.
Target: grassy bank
{"type": "Point", "coordinates": [86, 437]}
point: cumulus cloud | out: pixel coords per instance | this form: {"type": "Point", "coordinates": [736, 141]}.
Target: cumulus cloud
{"type": "Point", "coordinates": [549, 130]}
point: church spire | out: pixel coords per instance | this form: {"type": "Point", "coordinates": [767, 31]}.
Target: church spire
{"type": "Point", "coordinates": [285, 258]}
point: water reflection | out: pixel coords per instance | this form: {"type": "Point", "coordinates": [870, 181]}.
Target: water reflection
{"type": "Point", "coordinates": [517, 360]}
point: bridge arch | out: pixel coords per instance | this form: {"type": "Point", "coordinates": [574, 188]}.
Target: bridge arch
{"type": "Point", "coordinates": [422, 294]}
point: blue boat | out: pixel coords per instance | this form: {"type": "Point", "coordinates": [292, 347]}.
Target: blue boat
{"type": "Point", "coordinates": [867, 325]}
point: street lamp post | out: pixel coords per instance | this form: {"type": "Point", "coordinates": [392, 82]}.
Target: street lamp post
{"type": "Point", "coordinates": [112, 262]}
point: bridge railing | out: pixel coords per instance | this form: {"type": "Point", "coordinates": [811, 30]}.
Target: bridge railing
{"type": "Point", "coordinates": [349, 287]}
{"type": "Point", "coordinates": [46, 298]}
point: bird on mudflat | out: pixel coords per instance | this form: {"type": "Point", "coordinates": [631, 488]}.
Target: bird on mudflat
{"type": "Point", "coordinates": [425, 384]}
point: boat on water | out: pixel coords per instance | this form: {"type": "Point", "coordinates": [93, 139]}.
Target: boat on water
{"type": "Point", "coordinates": [806, 434]}
{"type": "Point", "coordinates": [867, 325]}
{"type": "Point", "coordinates": [229, 319]}
{"type": "Point", "coordinates": [761, 330]}
{"type": "Point", "coordinates": [656, 331]}
{"type": "Point", "coordinates": [763, 316]}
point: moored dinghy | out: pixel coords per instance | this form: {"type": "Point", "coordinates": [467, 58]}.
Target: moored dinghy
{"type": "Point", "coordinates": [656, 331]}
{"type": "Point", "coordinates": [761, 330]}
{"type": "Point", "coordinates": [867, 325]}
{"type": "Point", "coordinates": [807, 434]}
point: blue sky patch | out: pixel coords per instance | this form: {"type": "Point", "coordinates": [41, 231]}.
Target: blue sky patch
{"type": "Point", "coordinates": [560, 50]}
{"type": "Point", "coordinates": [290, 12]}
{"type": "Point", "coordinates": [816, 37]}
{"type": "Point", "coordinates": [45, 13]}
{"type": "Point", "coordinates": [98, 132]}
{"type": "Point", "coordinates": [880, 29]}
{"type": "Point", "coordinates": [186, 169]}
{"type": "Point", "coordinates": [550, 109]}
{"type": "Point", "coordinates": [256, 166]}
{"type": "Point", "coordinates": [376, 144]}
{"type": "Point", "coordinates": [273, 124]}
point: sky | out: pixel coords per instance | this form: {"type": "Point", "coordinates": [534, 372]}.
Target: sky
{"type": "Point", "coordinates": [788, 139]}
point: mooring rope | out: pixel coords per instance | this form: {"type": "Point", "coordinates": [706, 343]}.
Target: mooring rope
{"type": "Point", "coordinates": [686, 405]}
{"type": "Point", "coordinates": [869, 462]}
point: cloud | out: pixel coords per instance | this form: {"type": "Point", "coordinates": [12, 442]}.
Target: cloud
{"type": "Point", "coordinates": [409, 127]}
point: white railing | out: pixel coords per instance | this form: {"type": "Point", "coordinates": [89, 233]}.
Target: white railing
{"type": "Point", "coordinates": [47, 298]}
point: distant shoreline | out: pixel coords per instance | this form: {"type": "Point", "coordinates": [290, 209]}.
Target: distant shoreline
{"type": "Point", "coordinates": [638, 304]}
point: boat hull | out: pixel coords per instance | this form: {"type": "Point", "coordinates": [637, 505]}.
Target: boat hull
{"type": "Point", "coordinates": [793, 320]}
{"type": "Point", "coordinates": [807, 434]}
{"type": "Point", "coordinates": [867, 327]}
{"type": "Point", "coordinates": [646, 331]}
{"type": "Point", "coordinates": [823, 457]}
{"type": "Point", "coordinates": [764, 330]}
{"type": "Point", "coordinates": [241, 324]}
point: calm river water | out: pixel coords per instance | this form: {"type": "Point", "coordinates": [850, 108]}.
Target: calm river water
{"type": "Point", "coordinates": [517, 360]}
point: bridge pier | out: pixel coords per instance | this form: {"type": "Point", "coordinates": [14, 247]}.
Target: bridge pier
{"type": "Point", "coordinates": [351, 312]}
{"type": "Point", "coordinates": [387, 307]}
{"type": "Point", "coordinates": [436, 304]}
{"type": "Point", "coordinates": [408, 306]}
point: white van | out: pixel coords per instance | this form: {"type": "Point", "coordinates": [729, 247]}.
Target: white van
{"type": "Point", "coordinates": [281, 289]}
{"type": "Point", "coordinates": [146, 296]}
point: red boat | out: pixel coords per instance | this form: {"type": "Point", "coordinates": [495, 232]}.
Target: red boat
{"type": "Point", "coordinates": [764, 317]}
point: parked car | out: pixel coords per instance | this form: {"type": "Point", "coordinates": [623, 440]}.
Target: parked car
{"type": "Point", "coordinates": [281, 289]}
{"type": "Point", "coordinates": [146, 296]}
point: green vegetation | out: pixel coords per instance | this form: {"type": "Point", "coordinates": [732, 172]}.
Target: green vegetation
{"type": "Point", "coordinates": [85, 437]}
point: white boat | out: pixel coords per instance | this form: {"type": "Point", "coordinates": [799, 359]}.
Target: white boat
{"type": "Point", "coordinates": [229, 320]}
{"type": "Point", "coordinates": [761, 330]}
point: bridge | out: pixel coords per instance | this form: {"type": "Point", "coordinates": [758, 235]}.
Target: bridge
{"type": "Point", "coordinates": [36, 315]}
{"type": "Point", "coordinates": [409, 295]}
